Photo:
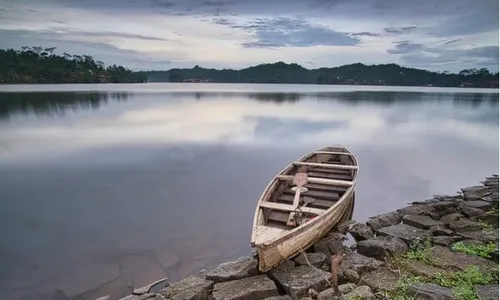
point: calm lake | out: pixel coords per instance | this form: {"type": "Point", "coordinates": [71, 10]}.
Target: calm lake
{"type": "Point", "coordinates": [104, 186]}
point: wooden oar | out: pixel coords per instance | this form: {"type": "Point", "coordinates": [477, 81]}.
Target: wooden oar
{"type": "Point", "coordinates": [300, 179]}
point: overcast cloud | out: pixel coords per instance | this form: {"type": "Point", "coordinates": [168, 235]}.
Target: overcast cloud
{"type": "Point", "coordinates": [162, 34]}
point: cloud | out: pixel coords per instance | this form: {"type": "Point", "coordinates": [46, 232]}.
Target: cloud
{"type": "Point", "coordinates": [400, 30]}
{"type": "Point", "coordinates": [239, 33]}
{"type": "Point", "coordinates": [284, 31]}
{"type": "Point", "coordinates": [405, 47]}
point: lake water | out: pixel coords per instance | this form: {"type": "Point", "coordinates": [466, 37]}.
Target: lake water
{"type": "Point", "coordinates": [104, 186]}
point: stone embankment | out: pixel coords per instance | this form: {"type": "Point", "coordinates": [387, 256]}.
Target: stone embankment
{"type": "Point", "coordinates": [442, 248]}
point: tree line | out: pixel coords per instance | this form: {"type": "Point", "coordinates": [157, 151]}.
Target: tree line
{"type": "Point", "coordinates": [358, 74]}
{"type": "Point", "coordinates": [42, 65]}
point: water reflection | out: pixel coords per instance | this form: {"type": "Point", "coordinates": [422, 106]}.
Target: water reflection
{"type": "Point", "coordinates": [136, 186]}
{"type": "Point", "coordinates": [56, 103]}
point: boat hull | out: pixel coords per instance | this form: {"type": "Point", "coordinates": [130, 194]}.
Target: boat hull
{"type": "Point", "coordinates": [274, 251]}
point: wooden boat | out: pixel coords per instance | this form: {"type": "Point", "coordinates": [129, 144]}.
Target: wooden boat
{"type": "Point", "coordinates": [302, 203]}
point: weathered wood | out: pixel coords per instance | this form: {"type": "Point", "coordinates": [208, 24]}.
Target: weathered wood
{"type": "Point", "coordinates": [332, 153]}
{"type": "Point", "coordinates": [316, 194]}
{"type": "Point", "coordinates": [290, 208]}
{"type": "Point", "coordinates": [325, 165]}
{"type": "Point", "coordinates": [333, 202]}
{"type": "Point", "coordinates": [319, 180]}
{"type": "Point", "coordinates": [318, 202]}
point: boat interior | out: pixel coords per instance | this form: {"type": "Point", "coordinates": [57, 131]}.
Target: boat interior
{"type": "Point", "coordinates": [306, 189]}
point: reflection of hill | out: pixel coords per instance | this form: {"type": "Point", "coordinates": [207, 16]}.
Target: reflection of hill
{"type": "Point", "coordinates": [54, 103]}
{"type": "Point", "coordinates": [276, 97]}
{"type": "Point", "coordinates": [475, 99]}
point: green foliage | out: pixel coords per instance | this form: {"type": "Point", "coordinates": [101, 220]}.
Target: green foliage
{"type": "Point", "coordinates": [485, 225]}
{"type": "Point", "coordinates": [39, 65]}
{"type": "Point", "coordinates": [359, 74]}
{"type": "Point", "coordinates": [463, 283]}
{"type": "Point", "coordinates": [420, 251]}
{"type": "Point", "coordinates": [478, 250]}
{"type": "Point", "coordinates": [492, 211]}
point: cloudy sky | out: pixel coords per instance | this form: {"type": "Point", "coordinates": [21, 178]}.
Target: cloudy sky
{"type": "Point", "coordinates": [163, 34]}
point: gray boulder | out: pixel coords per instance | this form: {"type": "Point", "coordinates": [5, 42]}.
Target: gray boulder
{"type": "Point", "coordinates": [315, 259]}
{"type": "Point", "coordinates": [475, 192]}
{"type": "Point", "coordinates": [382, 247]}
{"type": "Point", "coordinates": [464, 225]}
{"type": "Point", "coordinates": [480, 204]}
{"type": "Point", "coordinates": [361, 232]}
{"type": "Point", "coordinates": [190, 288]}
{"type": "Point", "coordinates": [422, 222]}
{"type": "Point", "coordinates": [487, 292]}
{"type": "Point", "coordinates": [405, 232]}
{"type": "Point", "coordinates": [359, 263]}
{"type": "Point", "coordinates": [447, 219]}
{"type": "Point", "coordinates": [297, 282]}
{"type": "Point", "coordinates": [255, 287]}
{"type": "Point", "coordinates": [361, 292]}
{"type": "Point", "coordinates": [429, 291]}
{"type": "Point", "coordinates": [384, 220]}
{"type": "Point", "coordinates": [381, 280]}
{"type": "Point", "coordinates": [231, 270]}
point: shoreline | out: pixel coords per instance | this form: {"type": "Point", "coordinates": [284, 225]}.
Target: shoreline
{"type": "Point", "coordinates": [430, 249]}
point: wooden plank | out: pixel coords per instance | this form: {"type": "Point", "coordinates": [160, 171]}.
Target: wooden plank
{"type": "Point", "coordinates": [323, 203]}
{"type": "Point", "coordinates": [317, 194]}
{"type": "Point", "coordinates": [332, 153]}
{"type": "Point", "coordinates": [319, 180]}
{"type": "Point", "coordinates": [290, 208]}
{"type": "Point", "coordinates": [330, 176]}
{"type": "Point", "coordinates": [325, 187]}
{"type": "Point", "coordinates": [329, 170]}
{"type": "Point", "coordinates": [278, 216]}
{"type": "Point", "coordinates": [300, 163]}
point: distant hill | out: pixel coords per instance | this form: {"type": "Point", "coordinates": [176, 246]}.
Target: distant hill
{"type": "Point", "coordinates": [42, 65]}
{"type": "Point", "coordinates": [353, 74]}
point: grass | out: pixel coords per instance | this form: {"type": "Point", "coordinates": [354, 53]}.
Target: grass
{"type": "Point", "coordinates": [485, 225]}
{"type": "Point", "coordinates": [477, 250]}
{"type": "Point", "coordinates": [492, 211]}
{"type": "Point", "coordinates": [461, 283]}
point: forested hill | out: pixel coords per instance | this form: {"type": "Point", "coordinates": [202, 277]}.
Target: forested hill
{"type": "Point", "coordinates": [41, 65]}
{"type": "Point", "coordinates": [359, 74]}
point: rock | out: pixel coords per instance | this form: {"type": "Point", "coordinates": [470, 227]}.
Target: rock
{"type": "Point", "coordinates": [381, 280]}
{"type": "Point", "coordinates": [382, 247]}
{"type": "Point", "coordinates": [429, 291]}
{"type": "Point", "coordinates": [491, 219]}
{"type": "Point", "coordinates": [443, 205]}
{"type": "Point", "coordinates": [346, 288]}
{"type": "Point", "coordinates": [445, 241]}
{"type": "Point", "coordinates": [440, 231]}
{"type": "Point", "coordinates": [464, 225]}
{"type": "Point", "coordinates": [422, 222]}
{"type": "Point", "coordinates": [296, 282]}
{"type": "Point", "coordinates": [434, 215]}
{"type": "Point", "coordinates": [307, 298]}
{"type": "Point", "coordinates": [351, 276]}
{"type": "Point", "coordinates": [422, 269]}
{"type": "Point", "coordinates": [361, 292]}
{"type": "Point", "coordinates": [152, 287]}
{"type": "Point", "coordinates": [444, 258]}
{"type": "Point", "coordinates": [327, 294]}
{"type": "Point", "coordinates": [414, 210]}
{"type": "Point", "coordinates": [448, 211]}
{"type": "Point", "coordinates": [384, 220]}
{"type": "Point", "coordinates": [283, 297]}
{"type": "Point", "coordinates": [405, 232]}
{"type": "Point", "coordinates": [359, 263]}
{"type": "Point", "coordinates": [312, 293]}
{"type": "Point", "coordinates": [487, 292]}
{"type": "Point", "coordinates": [231, 270]}
{"type": "Point", "coordinates": [345, 226]}
{"type": "Point", "coordinates": [484, 236]}
{"type": "Point", "coordinates": [249, 288]}
{"type": "Point", "coordinates": [329, 245]}
{"type": "Point", "coordinates": [451, 218]}
{"type": "Point", "coordinates": [315, 259]}
{"type": "Point", "coordinates": [475, 192]}
{"type": "Point", "coordinates": [472, 212]}
{"type": "Point", "coordinates": [480, 204]}
{"type": "Point", "coordinates": [190, 288]}
{"type": "Point", "coordinates": [361, 232]}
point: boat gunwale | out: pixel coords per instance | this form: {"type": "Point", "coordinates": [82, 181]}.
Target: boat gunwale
{"type": "Point", "coordinates": [273, 242]}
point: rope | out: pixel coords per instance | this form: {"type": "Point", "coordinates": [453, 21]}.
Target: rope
{"type": "Point", "coordinates": [309, 264]}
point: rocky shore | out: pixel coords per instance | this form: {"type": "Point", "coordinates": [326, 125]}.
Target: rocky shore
{"type": "Point", "coordinates": [444, 248]}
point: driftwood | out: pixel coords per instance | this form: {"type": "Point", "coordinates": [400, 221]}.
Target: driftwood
{"type": "Point", "coordinates": [336, 260]}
